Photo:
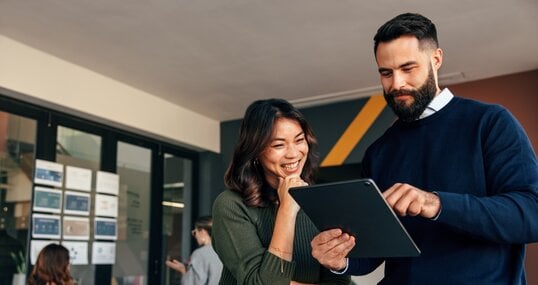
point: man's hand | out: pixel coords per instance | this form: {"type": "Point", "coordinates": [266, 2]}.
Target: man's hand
{"type": "Point", "coordinates": [331, 247]}
{"type": "Point", "coordinates": [406, 200]}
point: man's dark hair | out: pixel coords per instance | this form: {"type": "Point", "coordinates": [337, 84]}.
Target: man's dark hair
{"type": "Point", "coordinates": [408, 24]}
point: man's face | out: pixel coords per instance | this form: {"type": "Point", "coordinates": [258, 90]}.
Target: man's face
{"type": "Point", "coordinates": [408, 75]}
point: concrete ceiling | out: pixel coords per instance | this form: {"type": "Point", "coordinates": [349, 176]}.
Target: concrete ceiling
{"type": "Point", "coordinates": [215, 57]}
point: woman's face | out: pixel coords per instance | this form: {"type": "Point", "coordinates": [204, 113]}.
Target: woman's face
{"type": "Point", "coordinates": [200, 236]}
{"type": "Point", "coordinates": [286, 152]}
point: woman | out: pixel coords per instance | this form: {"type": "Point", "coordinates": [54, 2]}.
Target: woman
{"type": "Point", "coordinates": [259, 233]}
{"type": "Point", "coordinates": [204, 266]}
{"type": "Point", "coordinates": [51, 267]}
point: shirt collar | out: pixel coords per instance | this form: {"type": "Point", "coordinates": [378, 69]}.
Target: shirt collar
{"type": "Point", "coordinates": [437, 103]}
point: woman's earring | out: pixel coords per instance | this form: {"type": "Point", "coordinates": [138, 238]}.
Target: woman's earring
{"type": "Point", "coordinates": [256, 162]}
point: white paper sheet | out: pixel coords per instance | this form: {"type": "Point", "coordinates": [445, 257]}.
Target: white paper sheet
{"type": "Point", "coordinates": [104, 253]}
{"type": "Point", "coordinates": [106, 205]}
{"type": "Point", "coordinates": [78, 252]}
{"type": "Point", "coordinates": [77, 178]}
{"type": "Point", "coordinates": [107, 182]}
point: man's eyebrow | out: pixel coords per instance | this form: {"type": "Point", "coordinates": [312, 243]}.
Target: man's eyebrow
{"type": "Point", "coordinates": [405, 64]}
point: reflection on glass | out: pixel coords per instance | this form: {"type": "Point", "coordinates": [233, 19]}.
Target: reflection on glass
{"type": "Point", "coordinates": [134, 169]}
{"type": "Point", "coordinates": [17, 144]}
{"type": "Point", "coordinates": [80, 149]}
{"type": "Point", "coordinates": [176, 221]}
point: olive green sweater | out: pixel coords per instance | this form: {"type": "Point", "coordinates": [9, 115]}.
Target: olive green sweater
{"type": "Point", "coordinates": [241, 236]}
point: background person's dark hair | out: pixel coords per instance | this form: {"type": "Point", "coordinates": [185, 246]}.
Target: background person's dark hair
{"type": "Point", "coordinates": [245, 174]}
{"type": "Point", "coordinates": [51, 266]}
{"type": "Point", "coordinates": [204, 222]}
{"type": "Point", "coordinates": [408, 24]}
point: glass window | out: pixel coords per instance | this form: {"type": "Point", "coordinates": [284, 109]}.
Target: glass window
{"type": "Point", "coordinates": [134, 170]}
{"type": "Point", "coordinates": [80, 149]}
{"type": "Point", "coordinates": [17, 144]}
{"type": "Point", "coordinates": [176, 218]}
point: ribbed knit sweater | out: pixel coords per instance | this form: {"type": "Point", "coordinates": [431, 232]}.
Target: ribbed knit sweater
{"type": "Point", "coordinates": [479, 160]}
{"type": "Point", "coordinates": [241, 236]}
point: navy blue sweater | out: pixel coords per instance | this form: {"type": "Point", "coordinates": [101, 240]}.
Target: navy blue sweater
{"type": "Point", "coordinates": [480, 161]}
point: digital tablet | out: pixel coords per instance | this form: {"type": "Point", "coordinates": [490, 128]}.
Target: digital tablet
{"type": "Point", "coordinates": [358, 208]}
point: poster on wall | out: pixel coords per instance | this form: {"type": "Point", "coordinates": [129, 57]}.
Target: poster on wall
{"type": "Point", "coordinates": [106, 205]}
{"type": "Point", "coordinates": [77, 178]}
{"type": "Point", "coordinates": [78, 252]}
{"type": "Point", "coordinates": [46, 226]}
{"type": "Point", "coordinates": [104, 253]}
{"type": "Point", "coordinates": [48, 173]}
{"type": "Point", "coordinates": [107, 182]}
{"type": "Point", "coordinates": [106, 228]}
{"type": "Point", "coordinates": [76, 228]}
{"type": "Point", "coordinates": [47, 200]}
{"type": "Point", "coordinates": [77, 203]}
{"type": "Point", "coordinates": [36, 246]}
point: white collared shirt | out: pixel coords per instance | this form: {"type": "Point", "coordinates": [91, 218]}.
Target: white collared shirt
{"type": "Point", "coordinates": [437, 103]}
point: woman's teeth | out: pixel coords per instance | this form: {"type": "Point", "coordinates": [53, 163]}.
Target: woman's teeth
{"type": "Point", "coordinates": [291, 165]}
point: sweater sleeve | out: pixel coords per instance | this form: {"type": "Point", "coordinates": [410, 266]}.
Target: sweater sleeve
{"type": "Point", "coordinates": [328, 278]}
{"type": "Point", "coordinates": [236, 242]}
{"type": "Point", "coordinates": [507, 214]}
{"type": "Point", "coordinates": [362, 266]}
{"type": "Point", "coordinates": [196, 273]}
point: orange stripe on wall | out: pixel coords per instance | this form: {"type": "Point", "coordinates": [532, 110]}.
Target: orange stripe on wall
{"type": "Point", "coordinates": [355, 131]}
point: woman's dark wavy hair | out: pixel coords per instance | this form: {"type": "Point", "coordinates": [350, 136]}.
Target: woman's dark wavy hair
{"type": "Point", "coordinates": [408, 24]}
{"type": "Point", "coordinates": [245, 174]}
{"type": "Point", "coordinates": [51, 266]}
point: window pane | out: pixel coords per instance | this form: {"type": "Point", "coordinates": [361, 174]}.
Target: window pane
{"type": "Point", "coordinates": [134, 169]}
{"type": "Point", "coordinates": [17, 144]}
{"type": "Point", "coordinates": [176, 220]}
{"type": "Point", "coordinates": [81, 149]}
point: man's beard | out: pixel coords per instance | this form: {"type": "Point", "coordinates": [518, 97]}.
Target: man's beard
{"type": "Point", "coordinates": [422, 98]}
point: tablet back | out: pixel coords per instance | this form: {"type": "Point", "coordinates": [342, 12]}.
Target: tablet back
{"type": "Point", "coordinates": [358, 208]}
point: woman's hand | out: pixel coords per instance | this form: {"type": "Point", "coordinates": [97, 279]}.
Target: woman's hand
{"type": "Point", "coordinates": [177, 266]}
{"type": "Point", "coordinates": [284, 184]}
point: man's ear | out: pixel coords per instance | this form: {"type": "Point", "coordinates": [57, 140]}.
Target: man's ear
{"type": "Point", "coordinates": [437, 59]}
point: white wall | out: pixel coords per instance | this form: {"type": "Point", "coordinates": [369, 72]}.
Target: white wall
{"type": "Point", "coordinates": [46, 78]}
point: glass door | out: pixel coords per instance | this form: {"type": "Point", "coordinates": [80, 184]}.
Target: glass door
{"type": "Point", "coordinates": [132, 246]}
{"type": "Point", "coordinates": [17, 151]}
{"type": "Point", "coordinates": [176, 214]}
{"type": "Point", "coordinates": [82, 151]}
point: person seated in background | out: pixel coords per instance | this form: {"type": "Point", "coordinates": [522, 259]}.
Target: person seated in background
{"type": "Point", "coordinates": [51, 267]}
{"type": "Point", "coordinates": [259, 233]}
{"type": "Point", "coordinates": [204, 266]}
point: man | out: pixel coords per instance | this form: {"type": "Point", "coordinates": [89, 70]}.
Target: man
{"type": "Point", "coordinates": [461, 174]}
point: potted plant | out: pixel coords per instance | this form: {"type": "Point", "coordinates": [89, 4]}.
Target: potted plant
{"type": "Point", "coordinates": [19, 278]}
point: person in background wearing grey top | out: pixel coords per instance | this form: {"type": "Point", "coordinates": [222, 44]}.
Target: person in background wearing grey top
{"type": "Point", "coordinates": [204, 266]}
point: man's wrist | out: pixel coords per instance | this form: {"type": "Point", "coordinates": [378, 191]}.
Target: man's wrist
{"type": "Point", "coordinates": [436, 216]}
{"type": "Point", "coordinates": [341, 270]}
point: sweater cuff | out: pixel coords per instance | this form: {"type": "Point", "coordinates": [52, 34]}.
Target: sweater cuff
{"type": "Point", "coordinates": [343, 271]}
{"type": "Point", "coordinates": [276, 266]}
{"type": "Point", "coordinates": [451, 203]}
